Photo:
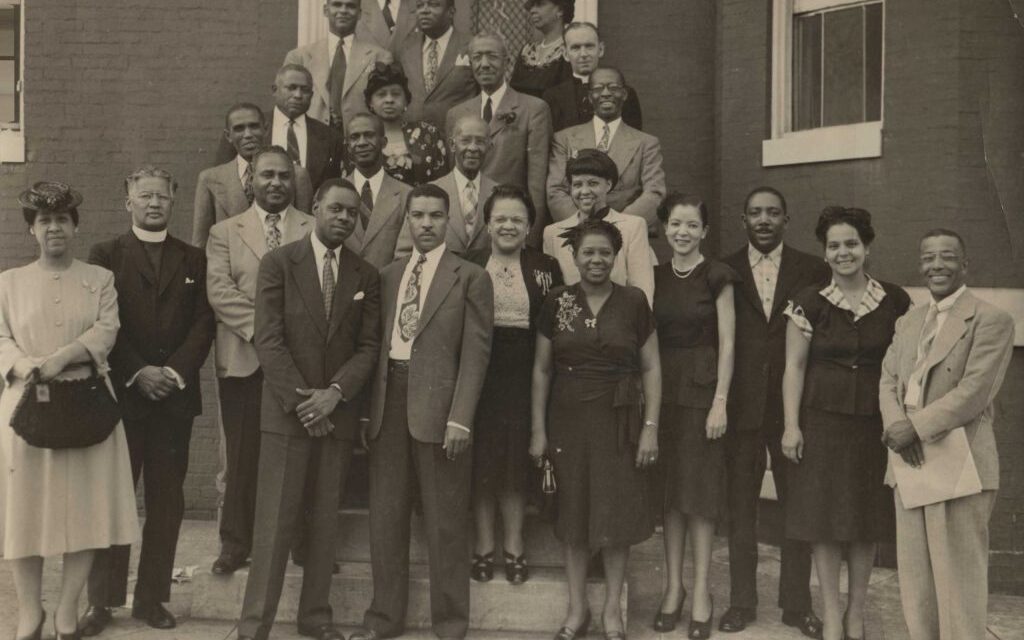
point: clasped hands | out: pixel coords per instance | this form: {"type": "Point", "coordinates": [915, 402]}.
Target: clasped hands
{"type": "Point", "coordinates": [314, 412]}
{"type": "Point", "coordinates": [155, 383]}
{"type": "Point", "coordinates": [903, 439]}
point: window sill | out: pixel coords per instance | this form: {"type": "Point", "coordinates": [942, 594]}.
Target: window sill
{"type": "Point", "coordinates": [12, 146]}
{"type": "Point", "coordinates": [827, 144]}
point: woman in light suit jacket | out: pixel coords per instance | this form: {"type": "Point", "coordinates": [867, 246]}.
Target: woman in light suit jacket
{"type": "Point", "coordinates": [522, 276]}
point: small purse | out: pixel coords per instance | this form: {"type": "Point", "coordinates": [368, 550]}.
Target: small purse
{"type": "Point", "coordinates": [66, 414]}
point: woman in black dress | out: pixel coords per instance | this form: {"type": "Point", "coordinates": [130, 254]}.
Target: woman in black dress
{"type": "Point", "coordinates": [522, 276]}
{"type": "Point", "coordinates": [835, 341]}
{"type": "Point", "coordinates": [542, 64]}
{"type": "Point", "coordinates": [693, 306]}
{"type": "Point", "coordinates": [596, 395]}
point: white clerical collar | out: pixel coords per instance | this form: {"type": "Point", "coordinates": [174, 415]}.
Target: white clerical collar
{"type": "Point", "coordinates": [581, 78]}
{"type": "Point", "coordinates": [149, 236]}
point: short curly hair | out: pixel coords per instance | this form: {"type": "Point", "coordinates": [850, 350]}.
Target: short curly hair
{"type": "Point", "coordinates": [859, 219]}
{"type": "Point", "coordinates": [589, 227]}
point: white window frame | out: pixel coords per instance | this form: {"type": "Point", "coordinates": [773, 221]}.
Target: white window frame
{"type": "Point", "coordinates": [823, 144]}
{"type": "Point", "coordinates": [12, 139]}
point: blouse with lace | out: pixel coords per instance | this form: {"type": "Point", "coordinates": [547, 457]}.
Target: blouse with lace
{"type": "Point", "coordinates": [511, 300]}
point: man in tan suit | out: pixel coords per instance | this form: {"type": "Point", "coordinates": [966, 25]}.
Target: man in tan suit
{"type": "Point", "coordinates": [226, 189]}
{"type": "Point", "coordinates": [637, 155]}
{"type": "Point", "coordinates": [387, 23]}
{"type": "Point", "coordinates": [519, 126]}
{"type": "Point", "coordinates": [381, 224]}
{"type": "Point", "coordinates": [466, 185]}
{"type": "Point", "coordinates": [233, 255]}
{"type": "Point", "coordinates": [944, 367]}
{"type": "Point", "coordinates": [340, 65]}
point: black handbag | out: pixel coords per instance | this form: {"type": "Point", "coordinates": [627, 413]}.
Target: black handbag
{"type": "Point", "coordinates": [66, 414]}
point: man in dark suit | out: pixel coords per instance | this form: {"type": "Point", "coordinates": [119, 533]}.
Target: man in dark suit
{"type": "Point", "coordinates": [387, 23]}
{"type": "Point", "coordinates": [438, 314]}
{"type": "Point", "coordinates": [770, 273]}
{"type": "Point", "coordinates": [311, 144]}
{"type": "Point", "coordinates": [166, 330]}
{"type": "Point", "coordinates": [434, 58]}
{"type": "Point", "coordinates": [570, 100]}
{"type": "Point", "coordinates": [317, 339]}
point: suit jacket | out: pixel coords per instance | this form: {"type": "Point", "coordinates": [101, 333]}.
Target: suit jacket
{"type": "Point", "coordinates": [455, 81]}
{"type": "Point", "coordinates": [385, 237]}
{"type": "Point", "coordinates": [541, 274]}
{"type": "Point", "coordinates": [166, 320]}
{"type": "Point", "coordinates": [358, 65]}
{"type": "Point", "coordinates": [963, 372]}
{"type": "Point", "coordinates": [519, 148]}
{"type": "Point", "coordinates": [571, 106]}
{"type": "Point", "coordinates": [299, 348]}
{"type": "Point", "coordinates": [760, 357]}
{"type": "Point", "coordinates": [450, 352]}
{"type": "Point", "coordinates": [637, 155]}
{"type": "Point", "coordinates": [325, 149]}
{"type": "Point", "coordinates": [456, 239]}
{"type": "Point", "coordinates": [220, 195]}
{"type": "Point", "coordinates": [634, 266]}
{"type": "Point", "coordinates": [372, 28]}
{"type": "Point", "coordinates": [233, 260]}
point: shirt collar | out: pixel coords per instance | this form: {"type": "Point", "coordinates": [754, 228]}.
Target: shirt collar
{"type": "Point", "coordinates": [320, 249]}
{"type": "Point", "coordinates": [395, 4]}
{"type": "Point", "coordinates": [149, 236]}
{"type": "Point", "coordinates": [774, 256]}
{"type": "Point", "coordinates": [375, 181]}
{"type": "Point", "coordinates": [461, 180]}
{"type": "Point", "coordinates": [613, 126]}
{"type": "Point", "coordinates": [281, 119]}
{"type": "Point", "coordinates": [947, 303]}
{"type": "Point", "coordinates": [495, 97]}
{"type": "Point", "coordinates": [433, 256]}
{"type": "Point", "coordinates": [242, 164]}
{"type": "Point", "coordinates": [873, 296]}
{"type": "Point", "coordinates": [332, 44]}
{"type": "Point", "coordinates": [583, 79]}
{"type": "Point", "coordinates": [442, 42]}
{"type": "Point", "coordinates": [263, 213]}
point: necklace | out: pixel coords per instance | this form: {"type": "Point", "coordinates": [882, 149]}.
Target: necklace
{"type": "Point", "coordinates": [685, 273]}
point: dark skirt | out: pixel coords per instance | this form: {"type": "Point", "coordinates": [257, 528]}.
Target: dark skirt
{"type": "Point", "coordinates": [694, 467]}
{"type": "Point", "coordinates": [837, 493]}
{"type": "Point", "coordinates": [603, 499]}
{"type": "Point", "coordinates": [501, 440]}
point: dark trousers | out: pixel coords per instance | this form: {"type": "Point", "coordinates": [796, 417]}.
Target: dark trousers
{"type": "Point", "coordinates": [400, 466]}
{"type": "Point", "coordinates": [747, 461]}
{"type": "Point", "coordinates": [240, 417]}
{"type": "Point", "coordinates": [297, 473]}
{"type": "Point", "coordinates": [158, 448]}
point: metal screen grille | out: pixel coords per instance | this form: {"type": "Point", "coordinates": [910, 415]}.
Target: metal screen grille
{"type": "Point", "coordinates": [506, 17]}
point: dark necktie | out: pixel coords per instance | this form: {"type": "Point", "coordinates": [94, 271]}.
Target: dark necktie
{"type": "Point", "coordinates": [388, 18]}
{"type": "Point", "coordinates": [409, 313]}
{"type": "Point", "coordinates": [247, 184]}
{"type": "Point", "coordinates": [584, 107]}
{"type": "Point", "coordinates": [366, 195]}
{"type": "Point", "coordinates": [293, 143]}
{"type": "Point", "coordinates": [336, 83]}
{"type": "Point", "coordinates": [488, 112]}
{"type": "Point", "coordinates": [328, 282]}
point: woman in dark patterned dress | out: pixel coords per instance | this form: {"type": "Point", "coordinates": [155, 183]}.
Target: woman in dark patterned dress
{"type": "Point", "coordinates": [835, 341]}
{"type": "Point", "coordinates": [416, 152]}
{"type": "Point", "coordinates": [596, 395]}
{"type": "Point", "coordinates": [542, 64]}
{"type": "Point", "coordinates": [522, 276]}
{"type": "Point", "coordinates": [693, 305]}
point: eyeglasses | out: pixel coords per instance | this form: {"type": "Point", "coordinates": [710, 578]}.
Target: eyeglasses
{"type": "Point", "coordinates": [610, 88]}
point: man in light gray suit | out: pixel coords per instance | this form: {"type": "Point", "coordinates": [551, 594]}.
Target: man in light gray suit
{"type": "Point", "coordinates": [941, 372]}
{"type": "Point", "coordinates": [466, 185]}
{"type": "Point", "coordinates": [340, 65]}
{"type": "Point", "coordinates": [226, 190]}
{"type": "Point", "coordinates": [387, 23]}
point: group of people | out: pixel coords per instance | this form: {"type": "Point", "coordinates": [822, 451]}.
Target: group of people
{"type": "Point", "coordinates": [452, 270]}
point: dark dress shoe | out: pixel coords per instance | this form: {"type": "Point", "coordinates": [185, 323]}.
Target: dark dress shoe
{"type": "Point", "coordinates": [365, 634]}
{"type": "Point", "coordinates": [808, 623]}
{"type": "Point", "coordinates": [226, 564]}
{"type": "Point", "coordinates": [665, 622]}
{"type": "Point", "coordinates": [736, 619]}
{"type": "Point", "coordinates": [155, 615]}
{"type": "Point", "coordinates": [94, 621]}
{"type": "Point", "coordinates": [482, 569]}
{"type": "Point", "coordinates": [701, 630]}
{"type": "Point", "coordinates": [516, 571]}
{"type": "Point", "coordinates": [321, 632]}
{"type": "Point", "coordinates": [567, 633]}
{"type": "Point", "coordinates": [38, 633]}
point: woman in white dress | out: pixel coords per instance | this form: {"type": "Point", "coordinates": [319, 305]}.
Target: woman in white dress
{"type": "Point", "coordinates": [57, 315]}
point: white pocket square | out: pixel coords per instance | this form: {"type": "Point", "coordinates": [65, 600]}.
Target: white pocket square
{"type": "Point", "coordinates": [189, 280]}
{"type": "Point", "coordinates": [359, 296]}
{"type": "Point", "coordinates": [462, 61]}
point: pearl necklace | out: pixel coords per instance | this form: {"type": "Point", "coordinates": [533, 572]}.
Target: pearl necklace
{"type": "Point", "coordinates": [682, 275]}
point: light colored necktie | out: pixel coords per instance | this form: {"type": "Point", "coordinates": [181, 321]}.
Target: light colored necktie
{"type": "Point", "coordinates": [606, 137]}
{"type": "Point", "coordinates": [469, 212]}
{"type": "Point", "coordinates": [273, 232]}
{"type": "Point", "coordinates": [328, 282]}
{"type": "Point", "coordinates": [430, 79]}
{"type": "Point", "coordinates": [409, 312]}
{"type": "Point", "coordinates": [928, 333]}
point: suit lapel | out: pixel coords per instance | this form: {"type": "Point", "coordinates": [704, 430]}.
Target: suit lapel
{"type": "Point", "coordinates": [788, 272]}
{"type": "Point", "coordinates": [624, 145]}
{"type": "Point", "coordinates": [139, 258]}
{"type": "Point", "coordinates": [388, 198]}
{"type": "Point", "coordinates": [414, 66]}
{"type": "Point", "coordinates": [456, 217]}
{"type": "Point", "coordinates": [250, 230]}
{"type": "Point", "coordinates": [317, 153]}
{"type": "Point", "coordinates": [296, 225]}
{"type": "Point", "coordinates": [373, 20]}
{"type": "Point", "coordinates": [509, 104]}
{"type": "Point", "coordinates": [444, 279]}
{"type": "Point", "coordinates": [231, 186]}
{"type": "Point", "coordinates": [170, 262]}
{"type": "Point", "coordinates": [320, 67]}
{"type": "Point", "coordinates": [345, 289]}
{"type": "Point", "coordinates": [486, 187]}
{"type": "Point", "coordinates": [742, 266]}
{"type": "Point", "coordinates": [389, 290]}
{"type": "Point", "coordinates": [447, 63]}
{"type": "Point", "coordinates": [954, 327]}
{"type": "Point", "coordinates": [307, 280]}
{"type": "Point", "coordinates": [359, 58]}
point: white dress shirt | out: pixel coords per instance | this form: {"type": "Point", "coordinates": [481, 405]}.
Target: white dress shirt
{"type": "Point", "coordinates": [279, 133]}
{"type": "Point", "coordinates": [376, 180]}
{"type": "Point", "coordinates": [320, 254]}
{"type": "Point", "coordinates": [460, 186]}
{"type": "Point", "coordinates": [765, 267]}
{"type": "Point", "coordinates": [613, 126]}
{"type": "Point", "coordinates": [332, 47]}
{"type": "Point", "coordinates": [495, 97]}
{"type": "Point", "coordinates": [400, 349]}
{"type": "Point", "coordinates": [266, 225]}
{"type": "Point", "coordinates": [442, 46]}
{"type": "Point", "coordinates": [395, 6]}
{"type": "Point", "coordinates": [243, 164]}
{"type": "Point", "coordinates": [912, 398]}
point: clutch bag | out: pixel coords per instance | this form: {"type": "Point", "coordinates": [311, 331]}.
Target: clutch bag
{"type": "Point", "coordinates": [66, 414]}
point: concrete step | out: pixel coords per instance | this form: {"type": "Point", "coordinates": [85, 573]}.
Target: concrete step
{"type": "Point", "coordinates": [539, 605]}
{"type": "Point", "coordinates": [542, 548]}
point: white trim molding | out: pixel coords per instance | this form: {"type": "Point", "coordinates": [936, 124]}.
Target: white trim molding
{"type": "Point", "coordinates": [12, 139]}
{"type": "Point", "coordinates": [1009, 300]}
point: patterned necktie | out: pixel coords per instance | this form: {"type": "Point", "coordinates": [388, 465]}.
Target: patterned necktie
{"type": "Point", "coordinates": [247, 184]}
{"type": "Point", "coordinates": [389, 19]}
{"type": "Point", "coordinates": [928, 332]}
{"type": "Point", "coordinates": [366, 195]}
{"type": "Point", "coordinates": [409, 313]}
{"type": "Point", "coordinates": [336, 83]}
{"type": "Point", "coordinates": [293, 143]}
{"type": "Point", "coordinates": [430, 79]}
{"type": "Point", "coordinates": [328, 282]}
{"type": "Point", "coordinates": [469, 212]}
{"type": "Point", "coordinates": [273, 232]}
{"type": "Point", "coordinates": [488, 113]}
{"type": "Point", "coordinates": [605, 141]}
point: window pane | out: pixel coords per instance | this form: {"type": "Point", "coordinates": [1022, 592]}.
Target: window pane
{"type": "Point", "coordinates": [843, 99]}
{"type": "Point", "coordinates": [873, 62]}
{"type": "Point", "coordinates": [7, 95]}
{"type": "Point", "coordinates": [8, 24]}
{"type": "Point", "coordinates": [807, 72]}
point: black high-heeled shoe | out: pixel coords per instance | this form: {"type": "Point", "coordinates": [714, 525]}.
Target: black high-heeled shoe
{"type": "Point", "coordinates": [665, 622]}
{"type": "Point", "coordinates": [567, 633]}
{"type": "Point", "coordinates": [482, 569]}
{"type": "Point", "coordinates": [702, 630]}
{"type": "Point", "coordinates": [516, 571]}
{"type": "Point", "coordinates": [38, 633]}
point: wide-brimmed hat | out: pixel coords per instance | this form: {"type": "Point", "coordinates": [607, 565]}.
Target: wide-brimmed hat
{"type": "Point", "coordinates": [55, 197]}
